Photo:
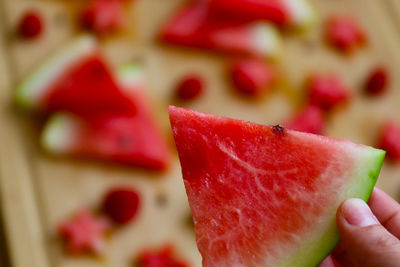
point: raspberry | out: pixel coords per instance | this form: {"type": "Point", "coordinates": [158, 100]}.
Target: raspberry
{"type": "Point", "coordinates": [31, 25]}
{"type": "Point", "coordinates": [162, 258]}
{"type": "Point", "coordinates": [84, 233]}
{"type": "Point", "coordinates": [102, 16]}
{"type": "Point", "coordinates": [121, 205]}
{"type": "Point", "coordinates": [252, 77]}
{"type": "Point", "coordinates": [309, 120]}
{"type": "Point", "coordinates": [377, 81]}
{"type": "Point", "coordinates": [327, 91]}
{"type": "Point", "coordinates": [344, 33]}
{"type": "Point", "coordinates": [390, 140]}
{"type": "Point", "coordinates": [190, 87]}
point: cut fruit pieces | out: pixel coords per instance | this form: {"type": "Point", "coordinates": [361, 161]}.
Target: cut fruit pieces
{"type": "Point", "coordinates": [84, 233]}
{"type": "Point", "coordinates": [345, 34]}
{"type": "Point", "coordinates": [31, 25]}
{"type": "Point", "coordinates": [131, 139]}
{"type": "Point", "coordinates": [165, 257]}
{"type": "Point", "coordinates": [121, 204]}
{"type": "Point", "coordinates": [76, 79]}
{"type": "Point", "coordinates": [190, 87]}
{"type": "Point", "coordinates": [103, 16]}
{"type": "Point", "coordinates": [193, 26]}
{"type": "Point", "coordinates": [377, 81]}
{"type": "Point", "coordinates": [267, 196]}
{"type": "Point", "coordinates": [327, 91]}
{"type": "Point", "coordinates": [309, 120]}
{"type": "Point", "coordinates": [390, 139]}
{"type": "Point", "coordinates": [252, 77]}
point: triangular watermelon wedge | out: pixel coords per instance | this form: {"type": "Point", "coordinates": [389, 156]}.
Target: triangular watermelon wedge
{"type": "Point", "coordinates": [76, 79]}
{"type": "Point", "coordinates": [267, 196]}
{"type": "Point", "coordinates": [132, 139]}
{"type": "Point", "coordinates": [193, 26]}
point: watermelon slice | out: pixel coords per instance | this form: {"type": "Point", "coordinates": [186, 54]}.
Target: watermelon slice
{"type": "Point", "coordinates": [77, 79]}
{"type": "Point", "coordinates": [267, 196]}
{"type": "Point", "coordinates": [193, 26]}
{"type": "Point", "coordinates": [131, 139]}
{"type": "Point", "coordinates": [284, 13]}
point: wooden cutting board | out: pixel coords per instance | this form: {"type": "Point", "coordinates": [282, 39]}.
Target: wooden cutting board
{"type": "Point", "coordinates": [39, 190]}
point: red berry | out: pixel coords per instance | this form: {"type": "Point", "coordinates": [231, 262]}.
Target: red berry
{"type": "Point", "coordinates": [84, 233]}
{"type": "Point", "coordinates": [252, 77]}
{"type": "Point", "coordinates": [162, 258]}
{"type": "Point", "coordinates": [309, 120]}
{"type": "Point", "coordinates": [30, 25]}
{"type": "Point", "coordinates": [327, 91]}
{"type": "Point", "coordinates": [190, 87]}
{"type": "Point", "coordinates": [377, 81]}
{"type": "Point", "coordinates": [390, 140]}
{"type": "Point", "coordinates": [103, 16]}
{"type": "Point", "coordinates": [344, 33]}
{"type": "Point", "coordinates": [121, 205]}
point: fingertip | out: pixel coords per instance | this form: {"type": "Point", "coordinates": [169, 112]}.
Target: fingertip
{"type": "Point", "coordinates": [356, 212]}
{"type": "Point", "coordinates": [328, 262]}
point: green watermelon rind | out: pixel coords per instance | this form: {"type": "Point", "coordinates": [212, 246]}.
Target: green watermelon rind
{"type": "Point", "coordinates": [29, 92]}
{"type": "Point", "coordinates": [361, 186]}
{"type": "Point", "coordinates": [131, 76]}
{"type": "Point", "coordinates": [304, 15]}
{"type": "Point", "coordinates": [59, 133]}
{"type": "Point", "coordinates": [267, 40]}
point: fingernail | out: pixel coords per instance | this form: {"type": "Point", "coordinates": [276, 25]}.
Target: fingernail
{"type": "Point", "coordinates": [356, 212]}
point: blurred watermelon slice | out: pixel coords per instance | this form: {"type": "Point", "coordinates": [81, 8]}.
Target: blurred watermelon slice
{"type": "Point", "coordinates": [193, 26]}
{"type": "Point", "coordinates": [284, 13]}
{"type": "Point", "coordinates": [77, 79]}
{"type": "Point", "coordinates": [131, 139]}
{"type": "Point", "coordinates": [267, 196]}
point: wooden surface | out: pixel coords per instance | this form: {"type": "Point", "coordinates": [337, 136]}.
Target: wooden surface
{"type": "Point", "coordinates": [38, 190]}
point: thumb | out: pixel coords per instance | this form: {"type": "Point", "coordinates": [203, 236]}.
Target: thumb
{"type": "Point", "coordinates": [364, 240]}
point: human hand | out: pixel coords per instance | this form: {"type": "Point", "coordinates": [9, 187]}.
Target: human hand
{"type": "Point", "coordinates": [370, 236]}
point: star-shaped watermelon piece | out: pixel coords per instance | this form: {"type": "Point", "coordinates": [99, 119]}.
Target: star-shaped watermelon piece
{"type": "Point", "coordinates": [84, 233]}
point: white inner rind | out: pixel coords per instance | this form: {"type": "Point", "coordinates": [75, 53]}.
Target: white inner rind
{"type": "Point", "coordinates": [131, 77]}
{"type": "Point", "coordinates": [301, 12]}
{"type": "Point", "coordinates": [61, 133]}
{"type": "Point", "coordinates": [267, 41]}
{"type": "Point", "coordinates": [30, 92]}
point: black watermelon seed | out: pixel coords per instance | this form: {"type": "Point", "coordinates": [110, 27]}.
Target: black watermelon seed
{"type": "Point", "coordinates": [278, 130]}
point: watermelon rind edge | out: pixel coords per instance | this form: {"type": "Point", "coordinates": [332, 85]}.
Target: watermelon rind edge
{"type": "Point", "coordinates": [361, 186]}
{"type": "Point", "coordinates": [28, 93]}
{"type": "Point", "coordinates": [131, 76]}
{"type": "Point", "coordinates": [267, 40]}
{"type": "Point", "coordinates": [59, 133]}
{"type": "Point", "coordinates": [304, 15]}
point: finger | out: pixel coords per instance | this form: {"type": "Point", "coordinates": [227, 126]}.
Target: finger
{"type": "Point", "coordinates": [387, 210]}
{"type": "Point", "coordinates": [328, 262]}
{"type": "Point", "coordinates": [340, 255]}
{"type": "Point", "coordinates": [366, 242]}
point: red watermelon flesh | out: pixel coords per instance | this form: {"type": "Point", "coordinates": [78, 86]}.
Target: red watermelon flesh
{"type": "Point", "coordinates": [279, 12]}
{"type": "Point", "coordinates": [274, 10]}
{"type": "Point", "coordinates": [87, 87]}
{"type": "Point", "coordinates": [266, 196]}
{"type": "Point", "coordinates": [193, 26]}
{"type": "Point", "coordinates": [77, 79]}
{"type": "Point", "coordinates": [131, 139]}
